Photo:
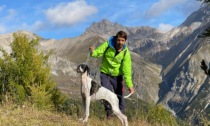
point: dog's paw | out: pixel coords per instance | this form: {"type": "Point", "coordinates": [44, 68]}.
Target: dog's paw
{"type": "Point", "coordinates": [84, 120]}
{"type": "Point", "coordinates": [80, 119]}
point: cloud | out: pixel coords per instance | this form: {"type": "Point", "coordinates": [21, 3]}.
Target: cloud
{"type": "Point", "coordinates": [11, 14]}
{"type": "Point", "coordinates": [2, 29]}
{"type": "Point", "coordinates": [2, 7]}
{"type": "Point", "coordinates": [67, 14]}
{"type": "Point", "coordinates": [190, 6]}
{"type": "Point", "coordinates": [36, 26]}
{"type": "Point", "coordinates": [8, 17]}
{"type": "Point", "coordinates": [162, 6]}
{"type": "Point", "coordinates": [165, 27]}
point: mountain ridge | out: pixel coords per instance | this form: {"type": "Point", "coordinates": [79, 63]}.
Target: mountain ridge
{"type": "Point", "coordinates": [166, 66]}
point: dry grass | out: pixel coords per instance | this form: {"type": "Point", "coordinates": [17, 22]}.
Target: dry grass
{"type": "Point", "coordinates": [13, 115]}
{"type": "Point", "coordinates": [114, 122]}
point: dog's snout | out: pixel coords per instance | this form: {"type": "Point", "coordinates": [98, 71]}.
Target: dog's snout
{"type": "Point", "coordinates": [82, 68]}
{"type": "Point", "coordinates": [78, 70]}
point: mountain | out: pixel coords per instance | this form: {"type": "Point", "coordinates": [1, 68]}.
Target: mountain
{"type": "Point", "coordinates": [6, 39]}
{"type": "Point", "coordinates": [142, 40]}
{"type": "Point", "coordinates": [68, 53]}
{"type": "Point", "coordinates": [166, 66]}
{"type": "Point", "coordinates": [184, 88]}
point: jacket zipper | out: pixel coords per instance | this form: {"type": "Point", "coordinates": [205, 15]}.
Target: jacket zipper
{"type": "Point", "coordinates": [112, 62]}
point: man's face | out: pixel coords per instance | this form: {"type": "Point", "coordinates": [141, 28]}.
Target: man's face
{"type": "Point", "coordinates": [120, 42]}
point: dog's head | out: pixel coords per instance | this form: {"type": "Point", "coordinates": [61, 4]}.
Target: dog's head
{"type": "Point", "coordinates": [82, 68]}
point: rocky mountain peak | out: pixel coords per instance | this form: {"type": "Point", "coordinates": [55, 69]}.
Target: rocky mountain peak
{"type": "Point", "coordinates": [201, 15]}
{"type": "Point", "coordinates": [105, 28]}
{"type": "Point", "coordinates": [106, 22]}
{"type": "Point", "coordinates": [166, 67]}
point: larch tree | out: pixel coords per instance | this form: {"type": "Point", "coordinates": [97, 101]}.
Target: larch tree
{"type": "Point", "coordinates": [26, 76]}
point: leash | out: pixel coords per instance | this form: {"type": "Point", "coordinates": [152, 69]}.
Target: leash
{"type": "Point", "coordinates": [127, 96]}
{"type": "Point", "coordinates": [83, 109]}
{"type": "Point", "coordinates": [88, 57]}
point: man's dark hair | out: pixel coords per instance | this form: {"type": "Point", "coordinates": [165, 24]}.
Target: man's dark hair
{"type": "Point", "coordinates": [121, 34]}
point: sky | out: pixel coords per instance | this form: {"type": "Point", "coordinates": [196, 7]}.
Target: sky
{"type": "Point", "coordinates": [58, 19]}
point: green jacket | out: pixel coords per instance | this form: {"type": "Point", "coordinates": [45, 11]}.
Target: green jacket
{"type": "Point", "coordinates": [115, 65]}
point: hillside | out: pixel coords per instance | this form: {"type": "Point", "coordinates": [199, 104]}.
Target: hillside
{"type": "Point", "coordinates": [184, 88]}
{"type": "Point", "coordinates": [166, 66]}
{"type": "Point", "coordinates": [12, 115]}
{"type": "Point", "coordinates": [27, 115]}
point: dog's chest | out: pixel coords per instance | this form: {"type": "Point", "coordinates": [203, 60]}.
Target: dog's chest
{"type": "Point", "coordinates": [86, 85]}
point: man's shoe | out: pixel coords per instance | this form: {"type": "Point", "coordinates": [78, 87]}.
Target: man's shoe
{"type": "Point", "coordinates": [109, 114]}
{"type": "Point", "coordinates": [109, 117]}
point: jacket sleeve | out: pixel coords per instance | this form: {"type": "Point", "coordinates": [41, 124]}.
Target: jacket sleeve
{"type": "Point", "coordinates": [127, 69]}
{"type": "Point", "coordinates": [99, 51]}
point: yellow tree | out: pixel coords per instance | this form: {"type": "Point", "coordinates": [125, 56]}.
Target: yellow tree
{"type": "Point", "coordinates": [25, 74]}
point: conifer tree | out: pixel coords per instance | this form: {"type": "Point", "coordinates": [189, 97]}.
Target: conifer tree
{"type": "Point", "coordinates": [25, 74]}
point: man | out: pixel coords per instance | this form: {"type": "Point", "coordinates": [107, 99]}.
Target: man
{"type": "Point", "coordinates": [116, 65]}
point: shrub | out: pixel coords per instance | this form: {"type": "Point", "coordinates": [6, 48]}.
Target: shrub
{"type": "Point", "coordinates": [25, 74]}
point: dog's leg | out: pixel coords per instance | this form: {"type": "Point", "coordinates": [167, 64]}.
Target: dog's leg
{"type": "Point", "coordinates": [114, 102]}
{"type": "Point", "coordinates": [83, 108]}
{"type": "Point", "coordinates": [109, 96]}
{"type": "Point", "coordinates": [120, 115]}
{"type": "Point", "coordinates": [87, 106]}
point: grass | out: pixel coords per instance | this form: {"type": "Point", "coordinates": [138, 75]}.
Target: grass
{"type": "Point", "coordinates": [14, 115]}
{"type": "Point", "coordinates": [27, 115]}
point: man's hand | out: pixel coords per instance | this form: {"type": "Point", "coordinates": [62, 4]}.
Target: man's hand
{"type": "Point", "coordinates": [131, 90]}
{"type": "Point", "coordinates": [91, 48]}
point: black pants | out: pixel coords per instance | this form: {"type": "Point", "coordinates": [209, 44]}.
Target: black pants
{"type": "Point", "coordinates": [114, 84]}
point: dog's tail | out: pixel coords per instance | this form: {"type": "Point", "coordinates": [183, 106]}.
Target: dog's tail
{"type": "Point", "coordinates": [127, 96]}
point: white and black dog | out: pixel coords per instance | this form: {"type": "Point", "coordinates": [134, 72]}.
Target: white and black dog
{"type": "Point", "coordinates": [90, 90]}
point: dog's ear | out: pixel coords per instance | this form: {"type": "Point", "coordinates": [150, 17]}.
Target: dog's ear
{"type": "Point", "coordinates": [86, 68]}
